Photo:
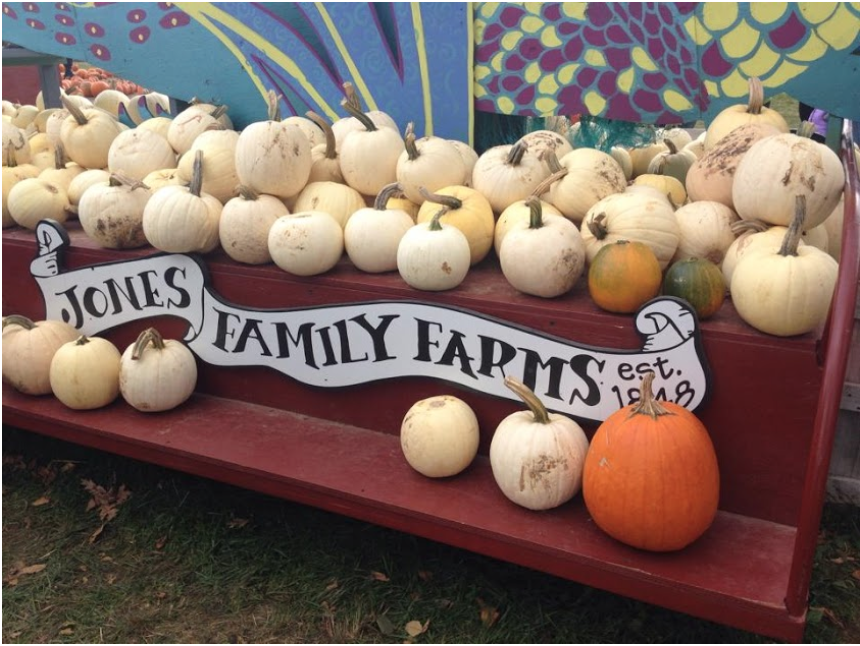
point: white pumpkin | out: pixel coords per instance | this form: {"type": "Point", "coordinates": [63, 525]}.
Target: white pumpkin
{"type": "Point", "coordinates": [87, 135]}
{"type": "Point", "coordinates": [537, 457]}
{"type": "Point", "coordinates": [434, 256]}
{"type": "Point", "coordinates": [439, 436]}
{"type": "Point", "coordinates": [508, 173]}
{"type": "Point", "coordinates": [111, 213]}
{"type": "Point", "coordinates": [325, 164]}
{"type": "Point", "coordinates": [245, 223]}
{"type": "Point", "coordinates": [81, 182]}
{"type": "Point", "coordinates": [220, 178]}
{"type": "Point", "coordinates": [705, 230]}
{"type": "Point", "coordinates": [273, 157]}
{"type": "Point", "coordinates": [582, 178]}
{"type": "Point", "coordinates": [137, 152]}
{"type": "Point", "coordinates": [306, 243]}
{"type": "Point", "coordinates": [372, 235]}
{"type": "Point", "coordinates": [428, 162]}
{"type": "Point", "coordinates": [34, 199]}
{"type": "Point", "coordinates": [369, 154]}
{"type": "Point", "coordinates": [156, 374]}
{"type": "Point", "coordinates": [519, 211]}
{"type": "Point", "coordinates": [28, 348]}
{"type": "Point", "coordinates": [338, 200]}
{"type": "Point", "coordinates": [193, 121]}
{"type": "Point", "coordinates": [84, 373]}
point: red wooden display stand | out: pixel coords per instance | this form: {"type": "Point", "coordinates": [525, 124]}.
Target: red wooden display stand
{"type": "Point", "coordinates": [771, 416]}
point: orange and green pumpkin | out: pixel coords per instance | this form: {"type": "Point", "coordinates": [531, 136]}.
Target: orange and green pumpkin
{"type": "Point", "coordinates": [623, 276]}
{"type": "Point", "coordinates": [699, 282]}
{"type": "Point", "coordinates": [651, 478]}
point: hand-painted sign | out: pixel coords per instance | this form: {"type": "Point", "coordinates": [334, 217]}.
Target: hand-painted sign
{"type": "Point", "coordinates": [348, 344]}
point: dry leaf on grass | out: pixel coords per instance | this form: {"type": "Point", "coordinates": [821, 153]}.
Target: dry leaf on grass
{"type": "Point", "coordinates": [386, 627]}
{"type": "Point", "coordinates": [237, 523]}
{"type": "Point", "coordinates": [489, 614]}
{"type": "Point", "coordinates": [415, 628]}
{"type": "Point", "coordinates": [379, 576]}
{"type": "Point", "coordinates": [38, 502]}
{"type": "Point", "coordinates": [827, 612]}
{"type": "Point", "coordinates": [19, 570]}
{"type": "Point", "coordinates": [159, 544]}
{"type": "Point", "coordinates": [856, 574]}
{"type": "Point", "coordinates": [107, 501]}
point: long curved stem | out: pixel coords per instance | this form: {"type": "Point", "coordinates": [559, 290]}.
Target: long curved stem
{"type": "Point", "coordinates": [541, 416]}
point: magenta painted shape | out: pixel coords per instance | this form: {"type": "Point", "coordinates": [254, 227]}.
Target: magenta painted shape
{"type": "Point", "coordinates": [713, 63]}
{"type": "Point", "coordinates": [789, 34]}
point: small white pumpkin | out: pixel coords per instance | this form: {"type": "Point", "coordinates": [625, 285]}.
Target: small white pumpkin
{"type": "Point", "coordinates": [87, 135]}
{"type": "Point", "coordinates": [706, 231]}
{"type": "Point", "coordinates": [428, 162]}
{"type": "Point", "coordinates": [81, 182]}
{"type": "Point", "coordinates": [111, 213]}
{"type": "Point", "coordinates": [245, 223]}
{"type": "Point", "coordinates": [306, 243]}
{"type": "Point", "coordinates": [544, 256]}
{"type": "Point", "coordinates": [344, 127]}
{"type": "Point", "coordinates": [439, 436]}
{"type": "Point", "coordinates": [368, 155]}
{"type": "Point", "coordinates": [84, 373]}
{"type": "Point", "coordinates": [28, 348]}
{"type": "Point", "coordinates": [507, 173]}
{"type": "Point", "coordinates": [372, 235]}
{"type": "Point", "coordinates": [338, 200]}
{"type": "Point", "coordinates": [434, 256]}
{"type": "Point", "coordinates": [325, 164]}
{"type": "Point", "coordinates": [519, 211]}
{"type": "Point", "coordinates": [580, 179]}
{"type": "Point", "coordinates": [220, 178]}
{"type": "Point", "coordinates": [787, 292]}
{"type": "Point", "coordinates": [537, 457]}
{"type": "Point", "coordinates": [193, 121]}
{"type": "Point", "coordinates": [137, 152]}
{"type": "Point", "coordinates": [32, 200]}
{"type": "Point", "coordinates": [156, 374]}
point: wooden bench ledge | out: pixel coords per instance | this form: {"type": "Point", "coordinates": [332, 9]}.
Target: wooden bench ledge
{"type": "Point", "coordinates": [737, 573]}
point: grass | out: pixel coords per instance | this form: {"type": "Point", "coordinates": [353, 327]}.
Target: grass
{"type": "Point", "coordinates": [188, 560]}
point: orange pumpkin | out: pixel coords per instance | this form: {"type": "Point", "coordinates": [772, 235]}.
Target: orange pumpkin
{"type": "Point", "coordinates": [623, 276]}
{"type": "Point", "coordinates": [651, 478]}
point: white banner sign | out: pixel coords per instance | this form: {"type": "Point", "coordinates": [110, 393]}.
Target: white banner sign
{"type": "Point", "coordinates": [348, 344]}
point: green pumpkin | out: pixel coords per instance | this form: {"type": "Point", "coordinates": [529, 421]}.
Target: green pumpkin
{"type": "Point", "coordinates": [699, 282]}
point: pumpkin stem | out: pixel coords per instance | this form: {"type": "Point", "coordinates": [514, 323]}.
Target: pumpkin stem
{"type": "Point", "coordinates": [18, 319]}
{"type": "Point", "coordinates": [531, 400]}
{"type": "Point", "coordinates": [386, 193]}
{"type": "Point", "coordinates": [450, 201]}
{"type": "Point", "coordinates": [273, 106]}
{"type": "Point", "coordinates": [409, 141]}
{"type": "Point", "coordinates": [330, 141]}
{"type": "Point", "coordinates": [597, 226]}
{"type": "Point", "coordinates": [806, 129]}
{"type": "Point", "coordinates": [435, 224]}
{"type": "Point", "coordinates": [82, 340]}
{"type": "Point", "coordinates": [149, 335]}
{"type": "Point", "coordinates": [756, 100]}
{"type": "Point", "coordinates": [247, 193]}
{"type": "Point", "coordinates": [543, 187]}
{"type": "Point", "coordinates": [118, 179]}
{"type": "Point", "coordinates": [535, 212]}
{"type": "Point", "coordinates": [219, 112]}
{"type": "Point", "coordinates": [59, 156]}
{"type": "Point", "coordinates": [366, 121]}
{"type": "Point", "coordinates": [673, 149]}
{"type": "Point", "coordinates": [196, 184]}
{"type": "Point", "coordinates": [740, 227]}
{"type": "Point", "coordinates": [552, 161]}
{"type": "Point", "coordinates": [515, 154]}
{"type": "Point", "coordinates": [74, 110]}
{"type": "Point", "coordinates": [352, 96]}
{"type": "Point", "coordinates": [11, 160]}
{"type": "Point", "coordinates": [647, 404]}
{"type": "Point", "coordinates": [795, 229]}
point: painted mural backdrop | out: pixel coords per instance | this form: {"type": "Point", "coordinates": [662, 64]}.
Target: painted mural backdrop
{"type": "Point", "coordinates": [426, 62]}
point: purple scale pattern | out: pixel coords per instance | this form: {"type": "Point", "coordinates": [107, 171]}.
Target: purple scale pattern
{"type": "Point", "coordinates": [573, 48]}
{"type": "Point", "coordinates": [526, 96]}
{"type": "Point", "coordinates": [618, 57]}
{"type": "Point", "coordinates": [598, 14]}
{"type": "Point", "coordinates": [594, 37]}
{"type": "Point", "coordinates": [551, 11]}
{"type": "Point", "coordinates": [586, 76]}
{"type": "Point", "coordinates": [656, 48]}
{"type": "Point", "coordinates": [713, 63]}
{"type": "Point", "coordinates": [647, 101]}
{"type": "Point", "coordinates": [512, 83]}
{"type": "Point", "coordinates": [511, 16]}
{"type": "Point", "coordinates": [654, 80]}
{"type": "Point", "coordinates": [617, 34]}
{"type": "Point", "coordinates": [530, 48]}
{"type": "Point", "coordinates": [789, 34]}
{"type": "Point", "coordinates": [673, 64]}
{"type": "Point", "coordinates": [486, 51]}
{"type": "Point", "coordinates": [607, 83]}
{"type": "Point", "coordinates": [64, 38]}
{"type": "Point", "coordinates": [492, 31]}
{"type": "Point", "coordinates": [669, 39]}
{"type": "Point", "coordinates": [551, 60]}
{"type": "Point", "coordinates": [514, 63]}
{"type": "Point", "coordinates": [139, 35]}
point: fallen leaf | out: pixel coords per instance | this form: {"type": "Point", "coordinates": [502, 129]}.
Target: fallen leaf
{"type": "Point", "coordinates": [40, 501]}
{"type": "Point", "coordinates": [489, 614]}
{"type": "Point", "coordinates": [827, 612]}
{"type": "Point", "coordinates": [67, 631]}
{"type": "Point", "coordinates": [32, 569]}
{"type": "Point", "coordinates": [385, 625]}
{"type": "Point", "coordinates": [425, 575]}
{"type": "Point", "coordinates": [67, 466]}
{"type": "Point", "coordinates": [110, 579]}
{"type": "Point", "coordinates": [838, 560]}
{"type": "Point", "coordinates": [856, 574]}
{"type": "Point", "coordinates": [96, 535]}
{"type": "Point", "coordinates": [11, 581]}
{"type": "Point", "coordinates": [237, 523]}
{"type": "Point", "coordinates": [159, 544]}
{"type": "Point", "coordinates": [415, 628]}
{"type": "Point", "coordinates": [332, 586]}
{"type": "Point", "coordinates": [379, 576]}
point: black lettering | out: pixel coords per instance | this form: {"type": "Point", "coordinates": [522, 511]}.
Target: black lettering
{"type": "Point", "coordinates": [345, 350]}
{"type": "Point", "coordinates": [377, 334]}
{"type": "Point", "coordinates": [424, 341]}
{"type": "Point", "coordinates": [328, 347]}
{"type": "Point", "coordinates": [222, 332]}
{"type": "Point", "coordinates": [507, 352]}
{"type": "Point", "coordinates": [76, 317]}
{"type": "Point", "coordinates": [286, 339]}
{"type": "Point", "coordinates": [579, 363]}
{"type": "Point", "coordinates": [150, 294]}
{"type": "Point", "coordinates": [184, 297]}
{"type": "Point", "coordinates": [90, 305]}
{"type": "Point", "coordinates": [251, 330]}
{"type": "Point", "coordinates": [531, 365]}
{"type": "Point", "coordinates": [661, 362]}
{"type": "Point", "coordinates": [116, 291]}
{"type": "Point", "coordinates": [625, 371]}
{"type": "Point", "coordinates": [457, 350]}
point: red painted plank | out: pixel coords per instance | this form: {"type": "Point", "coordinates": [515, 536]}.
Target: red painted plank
{"type": "Point", "coordinates": [736, 574]}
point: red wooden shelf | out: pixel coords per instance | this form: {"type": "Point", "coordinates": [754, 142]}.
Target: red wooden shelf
{"type": "Point", "coordinates": [739, 568]}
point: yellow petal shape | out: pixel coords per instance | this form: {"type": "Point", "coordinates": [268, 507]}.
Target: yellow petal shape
{"type": "Point", "coordinates": [479, 91]}
{"type": "Point", "coordinates": [487, 9]}
{"type": "Point", "coordinates": [482, 72]}
{"type": "Point", "coordinates": [643, 60]}
{"type": "Point", "coordinates": [549, 38]}
{"type": "Point", "coordinates": [785, 72]}
{"type": "Point", "coordinates": [566, 72]}
{"type": "Point", "coordinates": [510, 39]}
{"type": "Point", "coordinates": [532, 73]}
{"type": "Point", "coordinates": [595, 58]}
{"type": "Point", "coordinates": [533, 7]}
{"type": "Point", "coordinates": [841, 30]}
{"type": "Point", "coordinates": [697, 32]}
{"type": "Point", "coordinates": [740, 41]}
{"type": "Point", "coordinates": [767, 12]}
{"type": "Point", "coordinates": [532, 24]}
{"type": "Point", "coordinates": [813, 49]}
{"type": "Point", "coordinates": [546, 106]}
{"type": "Point", "coordinates": [735, 85]}
{"type": "Point", "coordinates": [816, 12]}
{"type": "Point", "coordinates": [496, 61]}
{"type": "Point", "coordinates": [625, 80]}
{"type": "Point", "coordinates": [505, 105]}
{"type": "Point", "coordinates": [574, 10]}
{"type": "Point", "coordinates": [677, 101]}
{"type": "Point", "coordinates": [719, 15]}
{"type": "Point", "coordinates": [761, 62]}
{"type": "Point", "coordinates": [713, 89]}
{"type": "Point", "coordinates": [548, 85]}
{"type": "Point", "coordinates": [594, 103]}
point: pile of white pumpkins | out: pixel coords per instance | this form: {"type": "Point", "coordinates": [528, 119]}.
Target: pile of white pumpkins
{"type": "Point", "coordinates": [302, 191]}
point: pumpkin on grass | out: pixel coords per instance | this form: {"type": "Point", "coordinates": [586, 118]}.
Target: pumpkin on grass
{"type": "Point", "coordinates": [651, 478]}
{"type": "Point", "coordinates": [537, 457]}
